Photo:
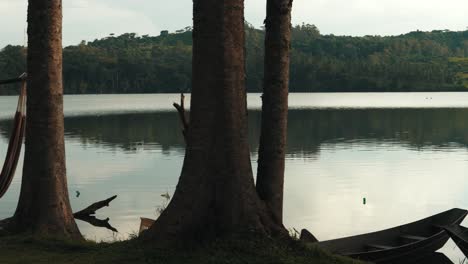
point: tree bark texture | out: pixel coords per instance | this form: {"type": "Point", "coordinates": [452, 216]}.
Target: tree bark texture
{"type": "Point", "coordinates": [216, 194]}
{"type": "Point", "coordinates": [272, 149]}
{"type": "Point", "coordinates": [44, 207]}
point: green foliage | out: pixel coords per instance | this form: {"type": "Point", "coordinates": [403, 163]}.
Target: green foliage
{"type": "Point", "coordinates": [129, 64]}
{"type": "Point", "coordinates": [459, 65]}
{"type": "Point", "coordinates": [417, 61]}
{"type": "Point", "coordinates": [12, 64]}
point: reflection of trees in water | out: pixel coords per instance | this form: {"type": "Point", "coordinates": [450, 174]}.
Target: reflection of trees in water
{"type": "Point", "coordinates": [124, 131]}
{"type": "Point", "coordinates": [307, 128]}
{"type": "Point", "coordinates": [127, 131]}
{"type": "Point", "coordinates": [415, 127]}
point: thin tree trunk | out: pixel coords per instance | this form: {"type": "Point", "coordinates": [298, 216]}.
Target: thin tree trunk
{"type": "Point", "coordinates": [272, 149]}
{"type": "Point", "coordinates": [44, 206]}
{"type": "Point", "coordinates": [216, 195]}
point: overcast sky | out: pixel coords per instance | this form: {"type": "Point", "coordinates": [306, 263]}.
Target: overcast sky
{"type": "Point", "coordinates": [91, 19]}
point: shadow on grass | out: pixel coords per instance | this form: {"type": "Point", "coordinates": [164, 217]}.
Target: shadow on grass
{"type": "Point", "coordinates": [24, 249]}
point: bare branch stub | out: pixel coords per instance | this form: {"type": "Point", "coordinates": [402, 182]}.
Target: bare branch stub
{"type": "Point", "coordinates": [182, 114]}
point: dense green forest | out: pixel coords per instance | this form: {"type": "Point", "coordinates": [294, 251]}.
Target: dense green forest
{"type": "Point", "coordinates": [417, 61]}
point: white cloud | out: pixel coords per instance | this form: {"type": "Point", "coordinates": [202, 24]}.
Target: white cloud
{"type": "Point", "coordinates": [90, 19]}
{"type": "Point", "coordinates": [12, 21]}
{"type": "Point", "coordinates": [381, 17]}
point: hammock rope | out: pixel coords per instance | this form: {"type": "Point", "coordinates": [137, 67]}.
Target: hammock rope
{"type": "Point", "coordinates": [16, 140]}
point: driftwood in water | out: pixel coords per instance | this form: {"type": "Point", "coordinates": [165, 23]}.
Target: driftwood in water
{"type": "Point", "coordinates": [87, 214]}
{"type": "Point", "coordinates": [183, 116]}
{"type": "Point", "coordinates": [91, 210]}
{"type": "Point", "coordinates": [91, 219]}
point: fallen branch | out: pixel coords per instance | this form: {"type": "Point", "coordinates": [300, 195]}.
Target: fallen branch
{"type": "Point", "coordinates": [183, 116]}
{"type": "Point", "coordinates": [91, 210]}
{"type": "Point", "coordinates": [91, 219]}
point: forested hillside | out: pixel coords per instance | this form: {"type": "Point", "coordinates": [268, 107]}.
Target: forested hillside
{"type": "Point", "coordinates": [417, 61]}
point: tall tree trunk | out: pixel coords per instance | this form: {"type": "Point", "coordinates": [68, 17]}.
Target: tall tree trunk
{"type": "Point", "coordinates": [44, 206]}
{"type": "Point", "coordinates": [272, 149]}
{"type": "Point", "coordinates": [216, 192]}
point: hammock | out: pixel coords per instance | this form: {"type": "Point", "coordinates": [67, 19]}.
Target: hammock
{"type": "Point", "coordinates": [16, 139]}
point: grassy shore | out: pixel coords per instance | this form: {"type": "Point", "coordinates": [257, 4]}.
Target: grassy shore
{"type": "Point", "coordinates": [14, 249]}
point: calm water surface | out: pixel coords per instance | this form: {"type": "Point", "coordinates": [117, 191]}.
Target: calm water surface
{"type": "Point", "coordinates": [407, 154]}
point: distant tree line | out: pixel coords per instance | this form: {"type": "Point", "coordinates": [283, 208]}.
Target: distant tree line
{"type": "Point", "coordinates": [417, 61]}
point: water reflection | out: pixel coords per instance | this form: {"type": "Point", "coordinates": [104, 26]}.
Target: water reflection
{"type": "Point", "coordinates": [128, 132]}
{"type": "Point", "coordinates": [408, 163]}
{"type": "Point", "coordinates": [438, 129]}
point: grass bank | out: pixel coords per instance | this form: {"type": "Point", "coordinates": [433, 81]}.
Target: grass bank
{"type": "Point", "coordinates": [16, 250]}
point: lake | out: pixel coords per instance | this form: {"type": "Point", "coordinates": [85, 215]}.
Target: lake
{"type": "Point", "coordinates": [406, 153]}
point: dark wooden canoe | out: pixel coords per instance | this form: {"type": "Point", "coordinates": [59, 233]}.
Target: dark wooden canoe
{"type": "Point", "coordinates": [435, 258]}
{"type": "Point", "coordinates": [402, 244]}
{"type": "Point", "coordinates": [459, 235]}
